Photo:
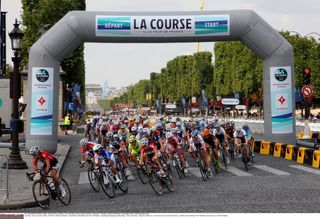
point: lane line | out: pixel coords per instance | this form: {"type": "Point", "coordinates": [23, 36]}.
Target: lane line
{"type": "Point", "coordinates": [83, 178]}
{"type": "Point", "coordinates": [306, 169]}
{"type": "Point", "coordinates": [272, 170]}
{"type": "Point", "coordinates": [194, 171]}
{"type": "Point", "coordinates": [237, 171]}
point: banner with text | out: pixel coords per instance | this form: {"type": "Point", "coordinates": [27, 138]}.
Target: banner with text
{"type": "Point", "coordinates": [281, 101]}
{"type": "Point", "coordinates": [163, 26]}
{"type": "Point", "coordinates": [41, 101]}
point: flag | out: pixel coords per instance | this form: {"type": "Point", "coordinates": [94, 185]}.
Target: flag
{"type": "Point", "coordinates": [204, 98]}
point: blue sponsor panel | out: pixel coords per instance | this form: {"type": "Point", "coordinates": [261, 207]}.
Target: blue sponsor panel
{"type": "Point", "coordinates": [282, 123]}
{"type": "Point", "coordinates": [218, 25]}
{"type": "Point", "coordinates": [41, 125]}
{"type": "Point", "coordinates": [113, 25]}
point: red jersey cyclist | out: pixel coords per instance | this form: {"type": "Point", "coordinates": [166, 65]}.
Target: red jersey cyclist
{"type": "Point", "coordinates": [50, 166]}
{"type": "Point", "coordinates": [149, 152]}
{"type": "Point", "coordinates": [86, 150]}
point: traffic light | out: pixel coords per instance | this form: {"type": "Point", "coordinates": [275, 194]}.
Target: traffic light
{"type": "Point", "coordinates": [306, 76]}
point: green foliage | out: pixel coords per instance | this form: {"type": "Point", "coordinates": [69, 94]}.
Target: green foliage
{"type": "Point", "coordinates": [183, 76]}
{"type": "Point", "coordinates": [39, 16]}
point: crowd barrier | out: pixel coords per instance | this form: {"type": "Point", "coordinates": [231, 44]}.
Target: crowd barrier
{"type": "Point", "coordinates": [306, 154]}
{"type": "Point", "coordinates": [4, 176]}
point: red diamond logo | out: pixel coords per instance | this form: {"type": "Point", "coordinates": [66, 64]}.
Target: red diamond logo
{"type": "Point", "coordinates": [42, 101]}
{"type": "Point", "coordinates": [281, 100]}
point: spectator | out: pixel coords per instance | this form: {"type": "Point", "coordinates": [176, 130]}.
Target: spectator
{"type": "Point", "coordinates": [67, 123]}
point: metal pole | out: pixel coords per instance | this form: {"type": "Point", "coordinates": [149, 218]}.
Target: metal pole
{"type": "Point", "coordinates": [15, 161]}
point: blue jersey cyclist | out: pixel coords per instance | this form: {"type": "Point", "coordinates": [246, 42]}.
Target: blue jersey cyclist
{"type": "Point", "coordinates": [103, 158]}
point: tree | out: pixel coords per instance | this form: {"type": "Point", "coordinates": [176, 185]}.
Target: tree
{"type": "Point", "coordinates": [39, 16]}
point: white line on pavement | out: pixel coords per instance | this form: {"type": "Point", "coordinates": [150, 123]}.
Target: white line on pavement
{"type": "Point", "coordinates": [307, 169]}
{"type": "Point", "coordinates": [195, 171]}
{"type": "Point", "coordinates": [83, 178]}
{"type": "Point", "coordinates": [272, 170]}
{"type": "Point", "coordinates": [237, 171]}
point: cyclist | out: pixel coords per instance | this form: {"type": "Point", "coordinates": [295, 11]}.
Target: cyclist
{"type": "Point", "coordinates": [134, 149]}
{"type": "Point", "coordinates": [149, 153]}
{"type": "Point", "coordinates": [120, 150]}
{"type": "Point", "coordinates": [197, 143]}
{"type": "Point", "coordinates": [104, 158]}
{"type": "Point", "coordinates": [50, 166]}
{"type": "Point", "coordinates": [85, 150]}
{"type": "Point", "coordinates": [172, 147]}
{"type": "Point", "coordinates": [209, 139]}
{"type": "Point", "coordinates": [221, 139]}
{"type": "Point", "coordinates": [87, 131]}
{"type": "Point", "coordinates": [247, 129]}
{"type": "Point", "coordinates": [239, 138]}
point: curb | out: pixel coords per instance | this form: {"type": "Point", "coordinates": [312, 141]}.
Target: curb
{"type": "Point", "coordinates": [32, 203]}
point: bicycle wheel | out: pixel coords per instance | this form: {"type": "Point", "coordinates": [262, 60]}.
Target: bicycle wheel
{"type": "Point", "coordinates": [155, 183]}
{"type": "Point", "coordinates": [214, 164]}
{"type": "Point", "coordinates": [231, 151]}
{"type": "Point", "coordinates": [66, 199]}
{"type": "Point", "coordinates": [244, 159]}
{"type": "Point", "coordinates": [142, 175]}
{"type": "Point", "coordinates": [178, 169]}
{"type": "Point", "coordinates": [202, 170]}
{"type": "Point", "coordinates": [123, 185]}
{"type": "Point", "coordinates": [168, 182]}
{"type": "Point", "coordinates": [224, 158]}
{"type": "Point", "coordinates": [41, 194]}
{"type": "Point", "coordinates": [93, 179]}
{"type": "Point", "coordinates": [107, 185]}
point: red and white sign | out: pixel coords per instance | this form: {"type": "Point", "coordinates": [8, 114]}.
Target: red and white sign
{"type": "Point", "coordinates": [307, 91]}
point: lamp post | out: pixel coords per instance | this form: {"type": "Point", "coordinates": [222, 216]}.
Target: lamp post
{"type": "Point", "coordinates": [15, 161]}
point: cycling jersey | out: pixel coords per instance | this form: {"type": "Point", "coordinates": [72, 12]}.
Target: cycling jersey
{"type": "Point", "coordinates": [209, 140]}
{"type": "Point", "coordinates": [220, 134]}
{"type": "Point", "coordinates": [241, 135]}
{"type": "Point", "coordinates": [104, 156]}
{"type": "Point", "coordinates": [43, 157]}
{"type": "Point", "coordinates": [150, 151]}
{"type": "Point", "coordinates": [89, 147]}
{"type": "Point", "coordinates": [134, 147]}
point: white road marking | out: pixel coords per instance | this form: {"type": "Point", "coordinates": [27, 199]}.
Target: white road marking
{"type": "Point", "coordinates": [272, 170]}
{"type": "Point", "coordinates": [237, 171]}
{"type": "Point", "coordinates": [307, 169]}
{"type": "Point", "coordinates": [83, 178]}
{"type": "Point", "coordinates": [194, 171]}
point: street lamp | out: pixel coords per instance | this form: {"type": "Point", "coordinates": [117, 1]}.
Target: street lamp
{"type": "Point", "coordinates": [15, 161]}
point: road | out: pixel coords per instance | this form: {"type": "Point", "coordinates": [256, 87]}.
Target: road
{"type": "Point", "coordinates": [272, 185]}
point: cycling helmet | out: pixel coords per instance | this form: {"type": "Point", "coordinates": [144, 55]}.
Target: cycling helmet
{"type": "Point", "coordinates": [238, 129]}
{"type": "Point", "coordinates": [96, 147]}
{"type": "Point", "coordinates": [116, 137]}
{"type": "Point", "coordinates": [122, 126]}
{"type": "Point", "coordinates": [144, 142]}
{"type": "Point", "coordinates": [173, 131]}
{"type": "Point", "coordinates": [133, 129]}
{"type": "Point", "coordinates": [132, 138]}
{"type": "Point", "coordinates": [140, 129]}
{"type": "Point", "coordinates": [145, 122]}
{"type": "Point", "coordinates": [109, 134]}
{"type": "Point", "coordinates": [178, 124]}
{"type": "Point", "coordinates": [146, 131]}
{"type": "Point", "coordinates": [34, 150]}
{"type": "Point", "coordinates": [169, 135]}
{"type": "Point", "coordinates": [83, 142]}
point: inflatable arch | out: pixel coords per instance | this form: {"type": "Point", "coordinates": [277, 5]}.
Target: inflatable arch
{"type": "Point", "coordinates": [77, 27]}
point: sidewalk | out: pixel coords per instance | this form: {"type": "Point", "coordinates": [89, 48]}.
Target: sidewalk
{"type": "Point", "coordinates": [20, 189]}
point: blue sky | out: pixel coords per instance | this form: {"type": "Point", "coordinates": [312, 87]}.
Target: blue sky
{"type": "Point", "coordinates": [104, 62]}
